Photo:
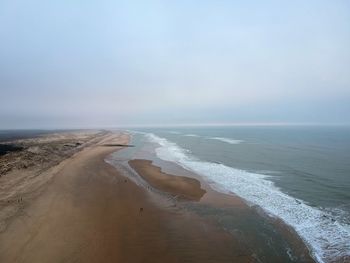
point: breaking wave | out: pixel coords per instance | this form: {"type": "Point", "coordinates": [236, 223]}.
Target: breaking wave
{"type": "Point", "coordinates": [327, 238]}
{"type": "Point", "coordinates": [227, 140]}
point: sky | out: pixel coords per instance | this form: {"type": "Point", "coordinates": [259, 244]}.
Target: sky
{"type": "Point", "coordinates": [83, 63]}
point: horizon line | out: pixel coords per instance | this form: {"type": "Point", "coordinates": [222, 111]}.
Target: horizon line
{"type": "Point", "coordinates": [157, 125]}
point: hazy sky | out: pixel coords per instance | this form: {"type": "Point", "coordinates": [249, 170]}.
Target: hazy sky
{"type": "Point", "coordinates": [106, 63]}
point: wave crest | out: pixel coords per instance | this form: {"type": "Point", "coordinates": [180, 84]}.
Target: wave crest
{"type": "Point", "coordinates": [327, 239]}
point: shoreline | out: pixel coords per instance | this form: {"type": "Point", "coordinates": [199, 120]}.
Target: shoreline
{"type": "Point", "coordinates": [324, 235]}
{"type": "Point", "coordinates": [179, 186]}
{"type": "Point", "coordinates": [89, 212]}
{"type": "Point", "coordinates": [214, 198]}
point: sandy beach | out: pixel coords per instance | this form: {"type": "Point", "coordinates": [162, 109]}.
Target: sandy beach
{"type": "Point", "coordinates": [179, 186]}
{"type": "Point", "coordinates": [175, 131]}
{"type": "Point", "coordinates": [88, 212]}
{"type": "Point", "coordinates": [185, 187]}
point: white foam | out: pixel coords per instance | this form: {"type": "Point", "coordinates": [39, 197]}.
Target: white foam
{"type": "Point", "coordinates": [327, 239]}
{"type": "Point", "coordinates": [191, 135]}
{"type": "Point", "coordinates": [174, 132]}
{"type": "Point", "coordinates": [227, 140]}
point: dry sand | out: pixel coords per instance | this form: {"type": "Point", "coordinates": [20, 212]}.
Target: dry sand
{"type": "Point", "coordinates": [25, 173]}
{"type": "Point", "coordinates": [88, 212]}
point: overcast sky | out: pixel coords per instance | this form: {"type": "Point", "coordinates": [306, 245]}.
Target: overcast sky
{"type": "Point", "coordinates": [108, 63]}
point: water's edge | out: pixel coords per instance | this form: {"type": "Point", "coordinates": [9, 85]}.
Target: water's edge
{"type": "Point", "coordinates": [327, 239]}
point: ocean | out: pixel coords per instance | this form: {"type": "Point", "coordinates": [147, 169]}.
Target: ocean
{"type": "Point", "coordinates": [300, 174]}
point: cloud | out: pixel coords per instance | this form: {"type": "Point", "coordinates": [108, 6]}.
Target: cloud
{"type": "Point", "coordinates": [157, 62]}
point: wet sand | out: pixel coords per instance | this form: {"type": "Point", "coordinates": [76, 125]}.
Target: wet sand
{"type": "Point", "coordinates": [160, 174]}
{"type": "Point", "coordinates": [91, 213]}
{"type": "Point", "coordinates": [179, 186]}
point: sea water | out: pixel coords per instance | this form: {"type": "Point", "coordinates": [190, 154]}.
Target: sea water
{"type": "Point", "coordinates": [300, 174]}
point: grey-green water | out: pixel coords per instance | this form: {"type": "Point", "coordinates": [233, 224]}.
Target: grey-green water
{"type": "Point", "coordinates": [310, 163]}
{"type": "Point", "coordinates": [300, 174]}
